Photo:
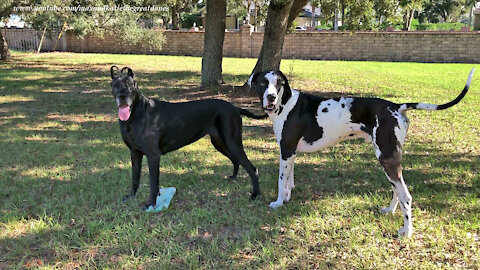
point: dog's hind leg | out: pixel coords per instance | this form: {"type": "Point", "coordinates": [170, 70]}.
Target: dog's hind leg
{"type": "Point", "coordinates": [393, 170]}
{"type": "Point", "coordinates": [388, 136]}
{"type": "Point", "coordinates": [393, 204]}
{"type": "Point", "coordinates": [219, 144]}
{"type": "Point", "coordinates": [235, 147]}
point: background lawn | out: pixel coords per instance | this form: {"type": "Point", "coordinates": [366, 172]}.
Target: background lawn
{"type": "Point", "coordinates": [64, 170]}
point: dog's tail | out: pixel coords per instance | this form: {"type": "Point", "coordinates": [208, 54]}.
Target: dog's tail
{"type": "Point", "coordinates": [433, 107]}
{"type": "Point", "coordinates": [250, 114]}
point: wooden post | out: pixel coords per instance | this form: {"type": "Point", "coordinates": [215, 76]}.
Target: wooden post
{"type": "Point", "coordinates": [41, 40]}
{"type": "Point", "coordinates": [59, 35]}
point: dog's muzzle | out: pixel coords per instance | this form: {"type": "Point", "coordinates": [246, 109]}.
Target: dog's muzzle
{"type": "Point", "coordinates": [269, 108]}
{"type": "Point", "coordinates": [270, 103]}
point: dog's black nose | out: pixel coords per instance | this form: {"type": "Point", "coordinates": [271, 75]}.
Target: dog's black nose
{"type": "Point", "coordinates": [122, 96]}
{"type": "Point", "coordinates": [271, 98]}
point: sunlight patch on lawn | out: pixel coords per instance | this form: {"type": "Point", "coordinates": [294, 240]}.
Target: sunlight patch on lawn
{"type": "Point", "coordinates": [50, 126]}
{"type": "Point", "coordinates": [41, 138]}
{"type": "Point", "coordinates": [57, 172]}
{"type": "Point", "coordinates": [81, 118]}
{"type": "Point", "coordinates": [15, 98]}
{"type": "Point", "coordinates": [24, 227]}
{"type": "Point", "coordinates": [55, 91]}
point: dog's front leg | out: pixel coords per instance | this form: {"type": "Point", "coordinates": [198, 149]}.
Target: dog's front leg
{"type": "Point", "coordinates": [286, 167]}
{"type": "Point", "coordinates": [290, 184]}
{"type": "Point", "coordinates": [136, 158]}
{"type": "Point", "coordinates": [153, 160]}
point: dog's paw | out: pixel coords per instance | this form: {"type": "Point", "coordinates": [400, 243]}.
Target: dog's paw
{"type": "Point", "coordinates": [405, 232]}
{"type": "Point", "coordinates": [255, 196]}
{"type": "Point", "coordinates": [147, 205]}
{"type": "Point", "coordinates": [128, 197]}
{"type": "Point", "coordinates": [386, 210]}
{"type": "Point", "coordinates": [276, 204]}
{"type": "Point", "coordinates": [232, 177]}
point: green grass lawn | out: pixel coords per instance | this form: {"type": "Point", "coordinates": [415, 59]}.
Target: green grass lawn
{"type": "Point", "coordinates": [64, 170]}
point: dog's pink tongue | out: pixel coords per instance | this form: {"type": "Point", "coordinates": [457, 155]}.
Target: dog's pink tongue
{"type": "Point", "coordinates": [124, 113]}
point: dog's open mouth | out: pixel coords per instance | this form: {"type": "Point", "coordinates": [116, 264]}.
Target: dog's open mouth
{"type": "Point", "coordinates": [269, 108]}
{"type": "Point", "coordinates": [124, 112]}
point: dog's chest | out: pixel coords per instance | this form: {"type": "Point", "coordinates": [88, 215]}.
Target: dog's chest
{"type": "Point", "coordinates": [127, 134]}
{"type": "Point", "coordinates": [133, 137]}
{"type": "Point", "coordinates": [279, 120]}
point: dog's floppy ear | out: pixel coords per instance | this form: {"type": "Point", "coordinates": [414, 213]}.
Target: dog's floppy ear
{"type": "Point", "coordinates": [287, 91]}
{"type": "Point", "coordinates": [114, 72]}
{"type": "Point", "coordinates": [129, 72]}
{"type": "Point", "coordinates": [284, 79]}
{"type": "Point", "coordinates": [252, 79]}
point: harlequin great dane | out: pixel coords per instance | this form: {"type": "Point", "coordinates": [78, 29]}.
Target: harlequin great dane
{"type": "Point", "coordinates": [308, 123]}
{"type": "Point", "coordinates": [153, 128]}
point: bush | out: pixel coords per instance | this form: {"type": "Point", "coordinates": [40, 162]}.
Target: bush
{"type": "Point", "coordinates": [438, 26]}
{"type": "Point", "coordinates": [293, 26]}
{"type": "Point", "coordinates": [187, 20]}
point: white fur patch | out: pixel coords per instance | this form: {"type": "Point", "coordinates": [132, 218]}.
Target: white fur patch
{"type": "Point", "coordinates": [427, 106]}
{"type": "Point", "coordinates": [335, 120]}
{"type": "Point", "coordinates": [469, 80]}
{"type": "Point", "coordinates": [249, 82]}
{"type": "Point", "coordinates": [374, 139]}
{"type": "Point", "coordinates": [402, 128]}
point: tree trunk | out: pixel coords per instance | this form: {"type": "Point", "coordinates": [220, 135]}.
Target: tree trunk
{"type": "Point", "coordinates": [175, 18]}
{"type": "Point", "coordinates": [280, 17]}
{"type": "Point", "coordinates": [335, 25]}
{"type": "Point", "coordinates": [213, 42]}
{"type": "Point", "coordinates": [470, 16]}
{"type": "Point", "coordinates": [297, 6]}
{"type": "Point", "coordinates": [410, 18]}
{"type": "Point", "coordinates": [275, 29]}
{"type": "Point", "coordinates": [4, 51]}
{"type": "Point", "coordinates": [313, 17]}
{"type": "Point", "coordinates": [247, 17]}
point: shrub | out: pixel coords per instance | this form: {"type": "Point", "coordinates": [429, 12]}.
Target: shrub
{"type": "Point", "coordinates": [187, 20]}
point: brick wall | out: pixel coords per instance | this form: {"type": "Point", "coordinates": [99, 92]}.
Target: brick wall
{"type": "Point", "coordinates": [461, 47]}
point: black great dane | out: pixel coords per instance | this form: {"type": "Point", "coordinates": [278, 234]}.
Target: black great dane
{"type": "Point", "coordinates": [153, 128]}
{"type": "Point", "coordinates": [308, 123]}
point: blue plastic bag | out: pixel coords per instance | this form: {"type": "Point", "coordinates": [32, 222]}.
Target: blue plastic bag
{"type": "Point", "coordinates": [164, 198]}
